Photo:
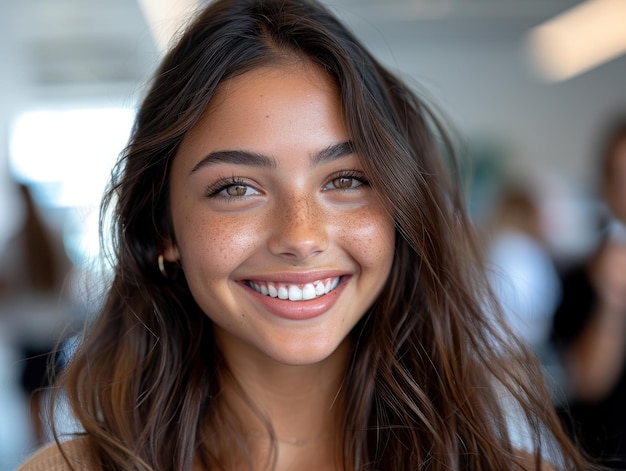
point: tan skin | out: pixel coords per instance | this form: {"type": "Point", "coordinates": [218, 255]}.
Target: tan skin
{"type": "Point", "coordinates": [596, 359]}
{"type": "Point", "coordinates": [300, 215]}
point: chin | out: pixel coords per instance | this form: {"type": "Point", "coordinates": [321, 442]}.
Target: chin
{"type": "Point", "coordinates": [305, 355]}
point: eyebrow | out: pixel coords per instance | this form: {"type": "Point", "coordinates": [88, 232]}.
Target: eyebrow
{"type": "Point", "coordinates": [334, 152]}
{"type": "Point", "coordinates": [242, 157]}
{"type": "Point", "coordinates": [237, 157]}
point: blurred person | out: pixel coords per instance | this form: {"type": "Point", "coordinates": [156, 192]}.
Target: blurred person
{"type": "Point", "coordinates": [590, 323]}
{"type": "Point", "coordinates": [520, 266]}
{"type": "Point", "coordinates": [32, 272]}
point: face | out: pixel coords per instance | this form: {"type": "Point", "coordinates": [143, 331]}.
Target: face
{"type": "Point", "coordinates": [283, 242]}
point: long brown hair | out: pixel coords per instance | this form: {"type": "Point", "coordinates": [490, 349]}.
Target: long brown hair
{"type": "Point", "coordinates": [425, 383]}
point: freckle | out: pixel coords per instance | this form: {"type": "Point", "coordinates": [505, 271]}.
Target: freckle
{"type": "Point", "coordinates": [267, 116]}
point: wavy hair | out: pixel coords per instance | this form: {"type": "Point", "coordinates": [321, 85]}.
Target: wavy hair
{"type": "Point", "coordinates": [429, 368]}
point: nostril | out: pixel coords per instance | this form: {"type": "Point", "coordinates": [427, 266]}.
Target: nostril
{"type": "Point", "coordinates": [298, 233]}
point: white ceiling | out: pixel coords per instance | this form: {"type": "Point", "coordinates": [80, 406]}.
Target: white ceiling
{"type": "Point", "coordinates": [71, 47]}
{"type": "Point", "coordinates": [49, 44]}
{"type": "Point", "coordinates": [467, 54]}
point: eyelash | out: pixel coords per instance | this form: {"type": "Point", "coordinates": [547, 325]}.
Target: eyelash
{"type": "Point", "coordinates": [349, 174]}
{"type": "Point", "coordinates": [214, 189]}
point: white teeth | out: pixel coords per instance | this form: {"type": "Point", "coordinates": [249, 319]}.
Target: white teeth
{"type": "Point", "coordinates": [331, 285]}
{"type": "Point", "coordinates": [295, 292]}
{"type": "Point", "coordinates": [308, 292]}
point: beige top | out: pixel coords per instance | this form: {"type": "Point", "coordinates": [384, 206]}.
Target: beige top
{"type": "Point", "coordinates": [49, 458]}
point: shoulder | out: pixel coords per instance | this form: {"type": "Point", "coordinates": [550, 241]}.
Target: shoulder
{"type": "Point", "coordinates": [50, 457]}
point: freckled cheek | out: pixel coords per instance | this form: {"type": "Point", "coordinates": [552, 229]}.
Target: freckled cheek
{"type": "Point", "coordinates": [370, 238]}
{"type": "Point", "coordinates": [224, 243]}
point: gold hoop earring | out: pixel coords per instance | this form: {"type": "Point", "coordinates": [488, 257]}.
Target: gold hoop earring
{"type": "Point", "coordinates": [161, 263]}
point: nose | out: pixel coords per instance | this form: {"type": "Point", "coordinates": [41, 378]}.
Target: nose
{"type": "Point", "coordinates": [299, 229]}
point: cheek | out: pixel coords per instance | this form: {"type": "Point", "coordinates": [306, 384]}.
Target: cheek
{"type": "Point", "coordinates": [218, 244]}
{"type": "Point", "coordinates": [370, 236]}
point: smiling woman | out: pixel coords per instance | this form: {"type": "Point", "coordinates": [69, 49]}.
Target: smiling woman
{"type": "Point", "coordinates": [265, 191]}
{"type": "Point", "coordinates": [296, 285]}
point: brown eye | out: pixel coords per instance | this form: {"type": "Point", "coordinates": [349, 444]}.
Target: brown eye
{"type": "Point", "coordinates": [237, 190]}
{"type": "Point", "coordinates": [231, 188]}
{"type": "Point", "coordinates": [344, 183]}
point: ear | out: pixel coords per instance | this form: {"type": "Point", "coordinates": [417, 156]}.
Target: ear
{"type": "Point", "coordinates": [170, 251]}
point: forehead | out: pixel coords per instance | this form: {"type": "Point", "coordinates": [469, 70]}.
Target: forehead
{"type": "Point", "coordinates": [288, 114]}
{"type": "Point", "coordinates": [268, 104]}
{"type": "Point", "coordinates": [283, 80]}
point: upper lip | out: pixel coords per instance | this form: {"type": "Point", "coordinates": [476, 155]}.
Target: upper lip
{"type": "Point", "coordinates": [298, 278]}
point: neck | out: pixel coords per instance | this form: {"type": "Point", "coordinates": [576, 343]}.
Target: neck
{"type": "Point", "coordinates": [301, 404]}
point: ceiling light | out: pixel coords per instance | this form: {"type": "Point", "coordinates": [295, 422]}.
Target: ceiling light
{"type": "Point", "coordinates": [579, 39]}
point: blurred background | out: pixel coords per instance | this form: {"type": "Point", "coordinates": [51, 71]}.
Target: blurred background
{"type": "Point", "coordinates": [528, 87]}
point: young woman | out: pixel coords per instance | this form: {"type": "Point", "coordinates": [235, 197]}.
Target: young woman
{"type": "Point", "coordinates": [295, 284]}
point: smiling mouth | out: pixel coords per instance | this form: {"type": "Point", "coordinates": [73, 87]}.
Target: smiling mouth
{"type": "Point", "coordinates": [291, 292]}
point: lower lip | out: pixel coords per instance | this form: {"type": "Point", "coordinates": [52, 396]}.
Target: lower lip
{"type": "Point", "coordinates": [299, 310]}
